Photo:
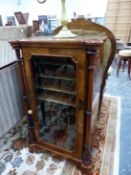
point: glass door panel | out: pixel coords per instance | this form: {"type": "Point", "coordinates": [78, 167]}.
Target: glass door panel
{"type": "Point", "coordinates": [55, 86]}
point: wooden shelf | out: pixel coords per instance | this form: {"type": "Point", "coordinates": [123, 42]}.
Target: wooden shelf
{"type": "Point", "coordinates": [56, 76]}
{"type": "Point", "coordinates": [55, 98]}
{"type": "Point", "coordinates": [62, 88]}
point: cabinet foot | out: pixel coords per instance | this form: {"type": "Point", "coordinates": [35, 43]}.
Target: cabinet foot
{"type": "Point", "coordinates": [86, 169]}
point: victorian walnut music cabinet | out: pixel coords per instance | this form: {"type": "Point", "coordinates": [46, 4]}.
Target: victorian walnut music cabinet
{"type": "Point", "coordinates": [62, 78]}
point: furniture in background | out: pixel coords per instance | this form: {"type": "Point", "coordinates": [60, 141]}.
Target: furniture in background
{"type": "Point", "coordinates": [1, 22]}
{"type": "Point", "coordinates": [35, 26]}
{"type": "Point", "coordinates": [81, 27]}
{"type": "Point", "coordinates": [10, 98]}
{"type": "Point", "coordinates": [53, 23]}
{"type": "Point", "coordinates": [119, 45]}
{"type": "Point", "coordinates": [63, 77]}
{"type": "Point", "coordinates": [124, 56]}
{"type": "Point", "coordinates": [11, 108]}
{"type": "Point", "coordinates": [14, 32]}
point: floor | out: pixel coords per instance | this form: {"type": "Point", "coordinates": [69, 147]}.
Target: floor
{"type": "Point", "coordinates": [121, 86]}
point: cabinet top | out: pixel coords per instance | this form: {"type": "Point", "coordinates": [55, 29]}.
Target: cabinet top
{"type": "Point", "coordinates": [51, 41]}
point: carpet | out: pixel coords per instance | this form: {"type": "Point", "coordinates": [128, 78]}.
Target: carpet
{"type": "Point", "coordinates": [19, 161]}
{"type": "Point", "coordinates": [110, 160]}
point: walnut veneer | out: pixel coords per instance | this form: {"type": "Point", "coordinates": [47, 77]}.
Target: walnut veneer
{"type": "Point", "coordinates": [63, 78]}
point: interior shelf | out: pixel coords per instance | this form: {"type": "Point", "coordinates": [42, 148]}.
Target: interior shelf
{"type": "Point", "coordinates": [57, 76]}
{"type": "Point", "coordinates": [55, 80]}
{"type": "Point", "coordinates": [58, 98]}
{"type": "Point", "coordinates": [67, 88]}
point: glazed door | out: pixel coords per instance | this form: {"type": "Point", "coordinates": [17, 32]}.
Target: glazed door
{"type": "Point", "coordinates": [55, 88]}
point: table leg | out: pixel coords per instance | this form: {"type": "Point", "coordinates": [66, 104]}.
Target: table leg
{"type": "Point", "coordinates": [129, 67]}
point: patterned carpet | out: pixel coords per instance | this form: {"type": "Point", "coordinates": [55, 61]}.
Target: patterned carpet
{"type": "Point", "coordinates": [15, 161]}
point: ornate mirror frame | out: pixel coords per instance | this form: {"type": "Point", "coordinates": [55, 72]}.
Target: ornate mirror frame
{"type": "Point", "coordinates": [41, 1]}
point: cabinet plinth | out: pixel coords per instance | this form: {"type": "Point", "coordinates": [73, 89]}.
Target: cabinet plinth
{"type": "Point", "coordinates": [63, 78]}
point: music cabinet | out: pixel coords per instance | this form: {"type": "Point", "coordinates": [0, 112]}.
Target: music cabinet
{"type": "Point", "coordinates": [62, 78]}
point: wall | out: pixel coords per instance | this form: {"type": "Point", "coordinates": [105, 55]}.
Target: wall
{"type": "Point", "coordinates": [118, 18]}
{"type": "Point", "coordinates": [82, 7]}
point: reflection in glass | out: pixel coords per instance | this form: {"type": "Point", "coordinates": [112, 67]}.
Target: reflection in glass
{"type": "Point", "coordinates": [55, 85]}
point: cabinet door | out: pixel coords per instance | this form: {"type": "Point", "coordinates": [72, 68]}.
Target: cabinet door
{"type": "Point", "coordinates": [55, 88]}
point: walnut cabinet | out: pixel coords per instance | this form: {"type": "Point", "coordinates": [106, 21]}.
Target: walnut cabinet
{"type": "Point", "coordinates": [62, 79]}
